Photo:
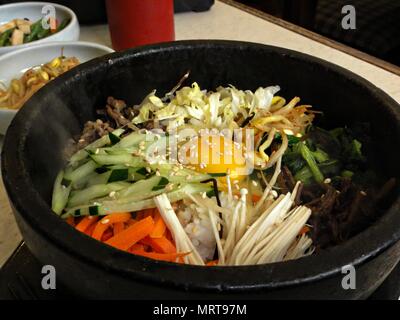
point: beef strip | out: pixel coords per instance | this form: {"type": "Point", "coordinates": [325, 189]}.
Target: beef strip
{"type": "Point", "coordinates": [92, 131]}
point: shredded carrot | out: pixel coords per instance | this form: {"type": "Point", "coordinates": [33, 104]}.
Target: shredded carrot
{"type": "Point", "coordinates": [168, 235]}
{"type": "Point", "coordinates": [159, 226]}
{"type": "Point", "coordinates": [304, 230]}
{"type": "Point", "coordinates": [136, 247]}
{"type": "Point", "coordinates": [148, 212]}
{"type": "Point", "coordinates": [212, 263]}
{"type": "Point", "coordinates": [90, 229]}
{"type": "Point", "coordinates": [170, 257]}
{"type": "Point", "coordinates": [86, 222]}
{"type": "Point", "coordinates": [127, 238]}
{"type": "Point", "coordinates": [107, 235]}
{"type": "Point", "coordinates": [159, 245]}
{"type": "Point", "coordinates": [118, 227]}
{"type": "Point", "coordinates": [108, 220]}
{"type": "Point", "coordinates": [131, 222]}
{"type": "Point", "coordinates": [71, 221]}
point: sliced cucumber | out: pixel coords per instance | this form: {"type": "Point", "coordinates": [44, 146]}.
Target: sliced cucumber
{"type": "Point", "coordinates": [60, 193]}
{"type": "Point", "coordinates": [124, 159]}
{"type": "Point", "coordinates": [96, 191]}
{"type": "Point", "coordinates": [104, 140]}
{"type": "Point", "coordinates": [131, 140]}
{"type": "Point", "coordinates": [141, 186]}
{"type": "Point", "coordinates": [99, 178]}
{"type": "Point", "coordinates": [81, 172]}
{"type": "Point", "coordinates": [173, 196]}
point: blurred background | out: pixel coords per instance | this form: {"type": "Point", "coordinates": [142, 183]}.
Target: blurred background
{"type": "Point", "coordinates": [378, 21]}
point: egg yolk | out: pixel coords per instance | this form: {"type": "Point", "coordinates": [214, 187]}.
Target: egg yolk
{"type": "Point", "coordinates": [215, 154]}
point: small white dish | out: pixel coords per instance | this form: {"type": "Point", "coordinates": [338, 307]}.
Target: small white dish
{"type": "Point", "coordinates": [33, 11]}
{"type": "Point", "coordinates": [14, 64]}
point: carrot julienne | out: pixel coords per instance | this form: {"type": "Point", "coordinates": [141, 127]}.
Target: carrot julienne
{"type": "Point", "coordinates": [107, 221]}
{"type": "Point", "coordinates": [118, 227]}
{"type": "Point", "coordinates": [159, 227]}
{"type": "Point", "coordinates": [159, 245]}
{"type": "Point", "coordinates": [133, 234]}
{"type": "Point", "coordinates": [85, 223]}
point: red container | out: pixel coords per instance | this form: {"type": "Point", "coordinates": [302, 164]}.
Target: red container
{"type": "Point", "coordinates": [139, 22]}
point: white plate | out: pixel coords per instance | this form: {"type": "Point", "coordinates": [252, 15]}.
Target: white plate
{"type": "Point", "coordinates": [13, 64]}
{"type": "Point", "coordinates": [33, 11]}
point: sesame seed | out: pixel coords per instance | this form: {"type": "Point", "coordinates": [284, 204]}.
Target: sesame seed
{"type": "Point", "coordinates": [363, 193]}
{"type": "Point", "coordinates": [327, 181]}
{"type": "Point", "coordinates": [105, 221]}
{"type": "Point", "coordinates": [254, 183]}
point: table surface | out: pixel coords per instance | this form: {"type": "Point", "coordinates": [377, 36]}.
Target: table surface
{"type": "Point", "coordinates": [230, 23]}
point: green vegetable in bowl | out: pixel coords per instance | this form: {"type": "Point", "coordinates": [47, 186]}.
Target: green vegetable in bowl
{"type": "Point", "coordinates": [20, 31]}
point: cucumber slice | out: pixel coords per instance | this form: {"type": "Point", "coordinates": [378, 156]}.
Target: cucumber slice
{"type": "Point", "coordinates": [118, 175]}
{"type": "Point", "coordinates": [96, 191]}
{"type": "Point", "coordinates": [141, 186]}
{"type": "Point", "coordinates": [124, 159]}
{"type": "Point", "coordinates": [104, 140]}
{"type": "Point", "coordinates": [131, 140]}
{"type": "Point", "coordinates": [61, 193]}
{"type": "Point", "coordinates": [81, 172]}
{"type": "Point", "coordinates": [173, 196]}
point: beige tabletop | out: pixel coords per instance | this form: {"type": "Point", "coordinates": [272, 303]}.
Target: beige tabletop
{"type": "Point", "coordinates": [223, 22]}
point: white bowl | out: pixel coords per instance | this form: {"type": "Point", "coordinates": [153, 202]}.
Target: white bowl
{"type": "Point", "coordinates": [33, 11]}
{"type": "Point", "coordinates": [14, 64]}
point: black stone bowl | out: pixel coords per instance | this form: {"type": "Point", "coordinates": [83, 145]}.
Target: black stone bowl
{"type": "Point", "coordinates": [33, 154]}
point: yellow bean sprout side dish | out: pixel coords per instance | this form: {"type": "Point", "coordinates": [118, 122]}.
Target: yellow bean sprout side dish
{"type": "Point", "coordinates": [20, 90]}
{"type": "Point", "coordinates": [224, 177]}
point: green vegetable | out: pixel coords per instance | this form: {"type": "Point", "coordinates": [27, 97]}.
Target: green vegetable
{"type": "Point", "coordinates": [83, 154]}
{"type": "Point", "coordinates": [161, 184]}
{"type": "Point", "coordinates": [124, 159]}
{"type": "Point", "coordinates": [113, 138]}
{"type": "Point", "coordinates": [5, 37]}
{"type": "Point", "coordinates": [141, 186]}
{"type": "Point", "coordinates": [43, 33]}
{"type": "Point", "coordinates": [309, 158]}
{"type": "Point", "coordinates": [81, 172]}
{"type": "Point", "coordinates": [118, 175]}
{"type": "Point", "coordinates": [132, 206]}
{"type": "Point", "coordinates": [347, 174]}
{"type": "Point", "coordinates": [60, 193]}
{"type": "Point", "coordinates": [292, 140]}
{"type": "Point", "coordinates": [86, 195]}
{"type": "Point", "coordinates": [320, 155]}
{"type": "Point", "coordinates": [36, 27]}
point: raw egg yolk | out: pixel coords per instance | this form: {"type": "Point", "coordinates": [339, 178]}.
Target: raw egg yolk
{"type": "Point", "coordinates": [215, 154]}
